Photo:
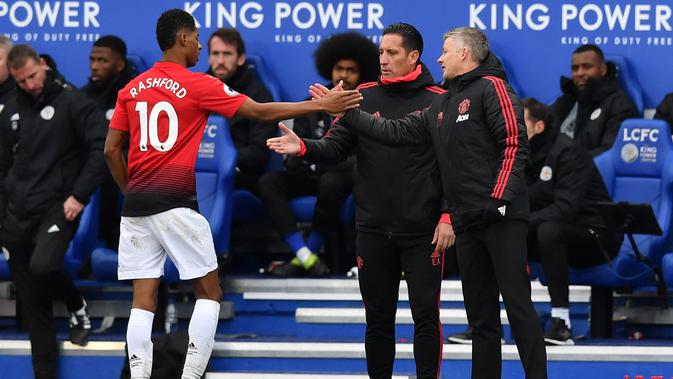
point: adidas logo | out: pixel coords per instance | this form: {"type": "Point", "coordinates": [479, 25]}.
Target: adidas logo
{"type": "Point", "coordinates": [53, 229]}
{"type": "Point", "coordinates": [502, 210]}
{"type": "Point", "coordinates": [133, 357]}
{"type": "Point", "coordinates": [192, 346]}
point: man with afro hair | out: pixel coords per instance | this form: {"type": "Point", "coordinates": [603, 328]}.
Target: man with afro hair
{"type": "Point", "coordinates": [349, 58]}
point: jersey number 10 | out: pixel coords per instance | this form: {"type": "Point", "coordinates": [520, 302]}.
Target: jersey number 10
{"type": "Point", "coordinates": [149, 126]}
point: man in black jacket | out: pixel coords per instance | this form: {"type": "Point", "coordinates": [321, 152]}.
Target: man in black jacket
{"type": "Point", "coordinates": [399, 203]}
{"type": "Point", "coordinates": [226, 56]}
{"type": "Point", "coordinates": [665, 110]}
{"type": "Point", "coordinates": [593, 104]}
{"type": "Point", "coordinates": [565, 228]}
{"type": "Point", "coordinates": [7, 93]}
{"type": "Point", "coordinates": [51, 162]}
{"type": "Point", "coordinates": [349, 58]}
{"type": "Point", "coordinates": [110, 72]}
{"type": "Point", "coordinates": [479, 137]}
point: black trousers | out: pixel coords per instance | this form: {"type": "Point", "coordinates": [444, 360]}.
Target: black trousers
{"type": "Point", "coordinates": [558, 246]}
{"type": "Point", "coordinates": [493, 260]}
{"type": "Point", "coordinates": [381, 260]}
{"type": "Point", "coordinates": [36, 251]}
{"type": "Point", "coordinates": [331, 188]}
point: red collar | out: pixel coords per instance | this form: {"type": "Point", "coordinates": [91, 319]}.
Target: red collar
{"type": "Point", "coordinates": [410, 77]}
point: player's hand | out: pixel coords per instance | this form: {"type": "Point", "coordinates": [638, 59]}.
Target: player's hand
{"type": "Point", "coordinates": [72, 208]}
{"type": "Point", "coordinates": [337, 100]}
{"type": "Point", "coordinates": [444, 236]}
{"type": "Point", "coordinates": [288, 143]}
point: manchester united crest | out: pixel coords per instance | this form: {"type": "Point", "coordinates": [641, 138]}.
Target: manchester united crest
{"type": "Point", "coordinates": [464, 106]}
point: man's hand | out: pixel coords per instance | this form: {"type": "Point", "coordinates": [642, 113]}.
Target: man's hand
{"type": "Point", "coordinates": [444, 237]}
{"type": "Point", "coordinates": [288, 143]}
{"type": "Point", "coordinates": [335, 101]}
{"type": "Point", "coordinates": [72, 208]}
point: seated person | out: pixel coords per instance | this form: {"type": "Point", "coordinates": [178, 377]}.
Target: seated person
{"type": "Point", "coordinates": [665, 110]}
{"type": "Point", "coordinates": [227, 60]}
{"type": "Point", "coordinates": [110, 72]}
{"type": "Point", "coordinates": [565, 228]}
{"type": "Point", "coordinates": [352, 59]}
{"type": "Point", "coordinates": [593, 104]}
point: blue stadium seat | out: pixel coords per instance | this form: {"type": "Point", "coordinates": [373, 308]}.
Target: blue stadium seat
{"type": "Point", "coordinates": [304, 206]}
{"type": "Point", "coordinates": [82, 244]}
{"type": "Point", "coordinates": [257, 64]}
{"type": "Point", "coordinates": [628, 80]}
{"type": "Point", "coordinates": [137, 62]}
{"type": "Point", "coordinates": [667, 269]}
{"type": "Point", "coordinates": [214, 185]}
{"type": "Point", "coordinates": [637, 169]}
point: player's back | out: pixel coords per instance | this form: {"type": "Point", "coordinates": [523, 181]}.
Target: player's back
{"type": "Point", "coordinates": [164, 111]}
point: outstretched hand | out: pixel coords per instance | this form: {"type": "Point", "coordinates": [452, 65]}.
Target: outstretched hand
{"type": "Point", "coordinates": [288, 143]}
{"type": "Point", "coordinates": [337, 100]}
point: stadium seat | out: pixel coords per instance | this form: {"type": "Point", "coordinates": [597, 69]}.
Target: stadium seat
{"type": "Point", "coordinates": [214, 185]}
{"type": "Point", "coordinates": [259, 68]}
{"type": "Point", "coordinates": [628, 80]}
{"type": "Point", "coordinates": [82, 244]}
{"type": "Point", "coordinates": [138, 63]}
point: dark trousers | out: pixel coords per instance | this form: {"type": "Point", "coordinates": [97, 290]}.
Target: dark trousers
{"type": "Point", "coordinates": [331, 188]}
{"type": "Point", "coordinates": [381, 261]}
{"type": "Point", "coordinates": [493, 260]}
{"type": "Point", "coordinates": [558, 246]}
{"type": "Point", "coordinates": [36, 251]}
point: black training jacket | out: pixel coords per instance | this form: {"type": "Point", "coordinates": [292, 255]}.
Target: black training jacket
{"type": "Point", "coordinates": [397, 190]}
{"type": "Point", "coordinates": [665, 110]}
{"type": "Point", "coordinates": [603, 105]}
{"type": "Point", "coordinates": [106, 96]}
{"type": "Point", "coordinates": [249, 136]}
{"type": "Point", "coordinates": [50, 148]}
{"type": "Point", "coordinates": [564, 184]}
{"type": "Point", "coordinates": [479, 136]}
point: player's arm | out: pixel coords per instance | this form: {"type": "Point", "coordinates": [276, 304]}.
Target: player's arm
{"type": "Point", "coordinates": [115, 158]}
{"type": "Point", "coordinates": [335, 102]}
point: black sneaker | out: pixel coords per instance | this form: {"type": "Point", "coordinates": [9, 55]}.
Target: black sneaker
{"type": "Point", "coordinates": [318, 269]}
{"type": "Point", "coordinates": [558, 333]}
{"type": "Point", "coordinates": [288, 269]}
{"type": "Point", "coordinates": [466, 337]}
{"type": "Point", "coordinates": [80, 327]}
{"type": "Point", "coordinates": [463, 338]}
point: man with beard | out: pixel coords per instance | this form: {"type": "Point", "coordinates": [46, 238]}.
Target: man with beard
{"type": "Point", "coordinates": [349, 58]}
{"type": "Point", "coordinates": [110, 72]}
{"type": "Point", "coordinates": [399, 204]}
{"type": "Point", "coordinates": [227, 60]}
{"type": "Point", "coordinates": [593, 104]}
{"type": "Point", "coordinates": [51, 162]}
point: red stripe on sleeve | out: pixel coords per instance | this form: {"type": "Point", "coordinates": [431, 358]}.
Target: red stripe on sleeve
{"type": "Point", "coordinates": [512, 140]}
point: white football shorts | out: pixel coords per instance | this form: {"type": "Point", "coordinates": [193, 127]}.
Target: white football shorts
{"type": "Point", "coordinates": [182, 233]}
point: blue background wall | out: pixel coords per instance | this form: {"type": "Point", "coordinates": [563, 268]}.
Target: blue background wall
{"type": "Point", "coordinates": [536, 51]}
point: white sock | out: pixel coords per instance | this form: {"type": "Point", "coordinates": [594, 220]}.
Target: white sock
{"type": "Point", "coordinates": [303, 254]}
{"type": "Point", "coordinates": [563, 314]}
{"type": "Point", "coordinates": [202, 328]}
{"type": "Point", "coordinates": [139, 341]}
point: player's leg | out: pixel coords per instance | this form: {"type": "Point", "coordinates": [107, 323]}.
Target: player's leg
{"type": "Point", "coordinates": [203, 324]}
{"type": "Point", "coordinates": [186, 236]}
{"type": "Point", "coordinates": [141, 258]}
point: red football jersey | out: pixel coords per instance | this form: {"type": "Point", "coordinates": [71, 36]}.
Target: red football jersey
{"type": "Point", "coordinates": [165, 110]}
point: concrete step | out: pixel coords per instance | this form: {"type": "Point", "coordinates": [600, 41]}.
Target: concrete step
{"type": "Point", "coordinates": [357, 316]}
{"type": "Point", "coordinates": [349, 290]}
{"type": "Point", "coordinates": [259, 375]}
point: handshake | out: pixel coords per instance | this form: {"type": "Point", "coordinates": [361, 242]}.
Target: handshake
{"type": "Point", "coordinates": [335, 102]}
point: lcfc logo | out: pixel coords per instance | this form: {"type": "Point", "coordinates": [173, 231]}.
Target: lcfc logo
{"type": "Point", "coordinates": [629, 153]}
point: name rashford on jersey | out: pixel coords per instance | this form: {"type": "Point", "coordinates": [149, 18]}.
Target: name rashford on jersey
{"type": "Point", "coordinates": [165, 110]}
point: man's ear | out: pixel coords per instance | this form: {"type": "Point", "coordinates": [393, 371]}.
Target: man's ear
{"type": "Point", "coordinates": [603, 69]}
{"type": "Point", "coordinates": [539, 127]}
{"type": "Point", "coordinates": [414, 55]}
{"type": "Point", "coordinates": [241, 60]}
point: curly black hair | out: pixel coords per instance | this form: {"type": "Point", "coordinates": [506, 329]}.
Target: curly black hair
{"type": "Point", "coordinates": [349, 45]}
